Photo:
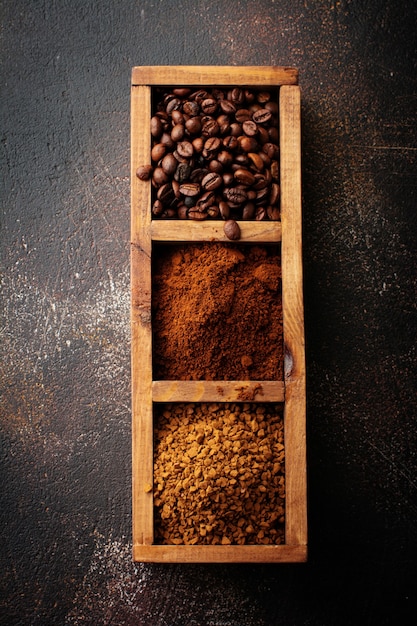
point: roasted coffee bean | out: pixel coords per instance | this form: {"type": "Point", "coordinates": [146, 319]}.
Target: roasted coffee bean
{"type": "Point", "coordinates": [274, 170]}
{"type": "Point", "coordinates": [274, 194]}
{"type": "Point", "coordinates": [191, 108]}
{"type": "Point", "coordinates": [193, 125]}
{"type": "Point", "coordinates": [250, 128]}
{"type": "Point", "coordinates": [185, 149]}
{"type": "Point", "coordinates": [159, 177]}
{"type": "Point", "coordinates": [169, 164]}
{"type": "Point", "coordinates": [182, 172]}
{"type": "Point", "coordinates": [194, 214]}
{"type": "Point", "coordinates": [211, 147]}
{"type": "Point", "coordinates": [166, 194]}
{"type": "Point", "coordinates": [157, 208]}
{"type": "Point", "coordinates": [213, 211]}
{"type": "Point", "coordinates": [209, 106]}
{"type": "Point", "coordinates": [227, 107]}
{"type": "Point", "coordinates": [248, 211]}
{"type": "Point", "coordinates": [211, 181]}
{"type": "Point", "coordinates": [210, 128]}
{"type": "Point", "coordinates": [248, 144]}
{"type": "Point", "coordinates": [262, 116]}
{"type": "Point", "coordinates": [232, 230]}
{"type": "Point", "coordinates": [235, 195]}
{"type": "Point", "coordinates": [257, 161]}
{"type": "Point", "coordinates": [207, 200]}
{"type": "Point", "coordinates": [144, 172]}
{"type": "Point", "coordinates": [190, 189]}
{"type": "Point", "coordinates": [224, 210]}
{"type": "Point", "coordinates": [244, 176]}
{"type": "Point", "coordinates": [237, 95]}
{"type": "Point", "coordinates": [158, 152]}
{"type": "Point", "coordinates": [156, 126]}
{"type": "Point", "coordinates": [243, 115]}
{"type": "Point", "coordinates": [177, 132]}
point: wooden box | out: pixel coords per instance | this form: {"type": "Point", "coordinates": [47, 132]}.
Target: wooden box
{"type": "Point", "coordinates": [147, 392]}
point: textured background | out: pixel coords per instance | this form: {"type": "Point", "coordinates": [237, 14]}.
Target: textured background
{"type": "Point", "coordinates": [65, 414]}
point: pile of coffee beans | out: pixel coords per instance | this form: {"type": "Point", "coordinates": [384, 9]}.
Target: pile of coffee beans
{"type": "Point", "coordinates": [215, 154]}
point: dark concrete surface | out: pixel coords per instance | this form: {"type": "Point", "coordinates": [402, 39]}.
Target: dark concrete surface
{"type": "Point", "coordinates": [65, 416]}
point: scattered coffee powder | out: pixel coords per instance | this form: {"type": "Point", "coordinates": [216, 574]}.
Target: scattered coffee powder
{"type": "Point", "coordinates": [217, 312]}
{"type": "Point", "coordinates": [219, 474]}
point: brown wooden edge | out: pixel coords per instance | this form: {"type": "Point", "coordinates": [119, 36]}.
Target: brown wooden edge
{"type": "Point", "coordinates": [220, 554]}
{"type": "Point", "coordinates": [214, 75]}
{"type": "Point", "coordinates": [293, 317]}
{"type": "Point", "coordinates": [141, 367]}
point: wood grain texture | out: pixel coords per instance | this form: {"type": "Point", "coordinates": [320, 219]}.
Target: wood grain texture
{"type": "Point", "coordinates": [220, 554]}
{"type": "Point", "coordinates": [142, 418]}
{"type": "Point", "coordinates": [217, 391]}
{"type": "Point", "coordinates": [212, 230]}
{"type": "Point", "coordinates": [293, 316]}
{"type": "Point", "coordinates": [268, 76]}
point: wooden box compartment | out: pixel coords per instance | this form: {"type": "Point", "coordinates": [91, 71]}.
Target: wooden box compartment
{"type": "Point", "coordinates": [219, 399]}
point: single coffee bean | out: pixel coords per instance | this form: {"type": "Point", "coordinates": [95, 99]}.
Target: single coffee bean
{"type": "Point", "coordinates": [182, 172]}
{"type": "Point", "coordinates": [191, 108]}
{"type": "Point", "coordinates": [157, 208]}
{"type": "Point", "coordinates": [256, 160]}
{"type": "Point", "coordinates": [156, 127]}
{"type": "Point", "coordinates": [159, 177]}
{"type": "Point", "coordinates": [193, 125]}
{"type": "Point", "coordinates": [235, 195]}
{"type": "Point", "coordinates": [185, 149]}
{"type": "Point", "coordinates": [211, 147]}
{"type": "Point", "coordinates": [209, 106]}
{"type": "Point", "coordinates": [158, 152]}
{"type": "Point", "coordinates": [210, 128]}
{"type": "Point", "coordinates": [144, 172]}
{"type": "Point", "coordinates": [244, 176]}
{"type": "Point", "coordinates": [250, 128]}
{"type": "Point", "coordinates": [227, 107]}
{"type": "Point", "coordinates": [194, 214]}
{"type": "Point", "coordinates": [178, 131]}
{"type": "Point", "coordinates": [248, 211]}
{"type": "Point", "coordinates": [166, 194]}
{"type": "Point", "coordinates": [274, 194]}
{"type": "Point", "coordinates": [211, 181]}
{"type": "Point", "coordinates": [190, 189]}
{"type": "Point", "coordinates": [169, 164]}
{"type": "Point", "coordinates": [262, 116]}
{"type": "Point", "coordinates": [232, 230]}
{"type": "Point", "coordinates": [263, 97]}
{"type": "Point", "coordinates": [224, 210]}
{"type": "Point", "coordinates": [181, 92]}
{"type": "Point", "coordinates": [248, 144]}
{"type": "Point", "coordinates": [177, 117]}
{"type": "Point", "coordinates": [274, 170]}
{"type": "Point", "coordinates": [237, 95]}
{"type": "Point", "coordinates": [243, 115]}
{"type": "Point", "coordinates": [206, 200]}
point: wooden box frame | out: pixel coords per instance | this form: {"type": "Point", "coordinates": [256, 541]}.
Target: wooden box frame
{"type": "Point", "coordinates": [145, 391]}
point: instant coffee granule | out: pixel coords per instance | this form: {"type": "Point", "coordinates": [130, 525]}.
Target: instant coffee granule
{"type": "Point", "coordinates": [219, 474]}
{"type": "Point", "coordinates": [217, 312]}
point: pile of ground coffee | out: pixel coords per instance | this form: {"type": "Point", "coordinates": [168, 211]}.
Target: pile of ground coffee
{"type": "Point", "coordinates": [217, 312]}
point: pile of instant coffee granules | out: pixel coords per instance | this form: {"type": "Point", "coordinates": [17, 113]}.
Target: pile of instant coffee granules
{"type": "Point", "coordinates": [219, 474]}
